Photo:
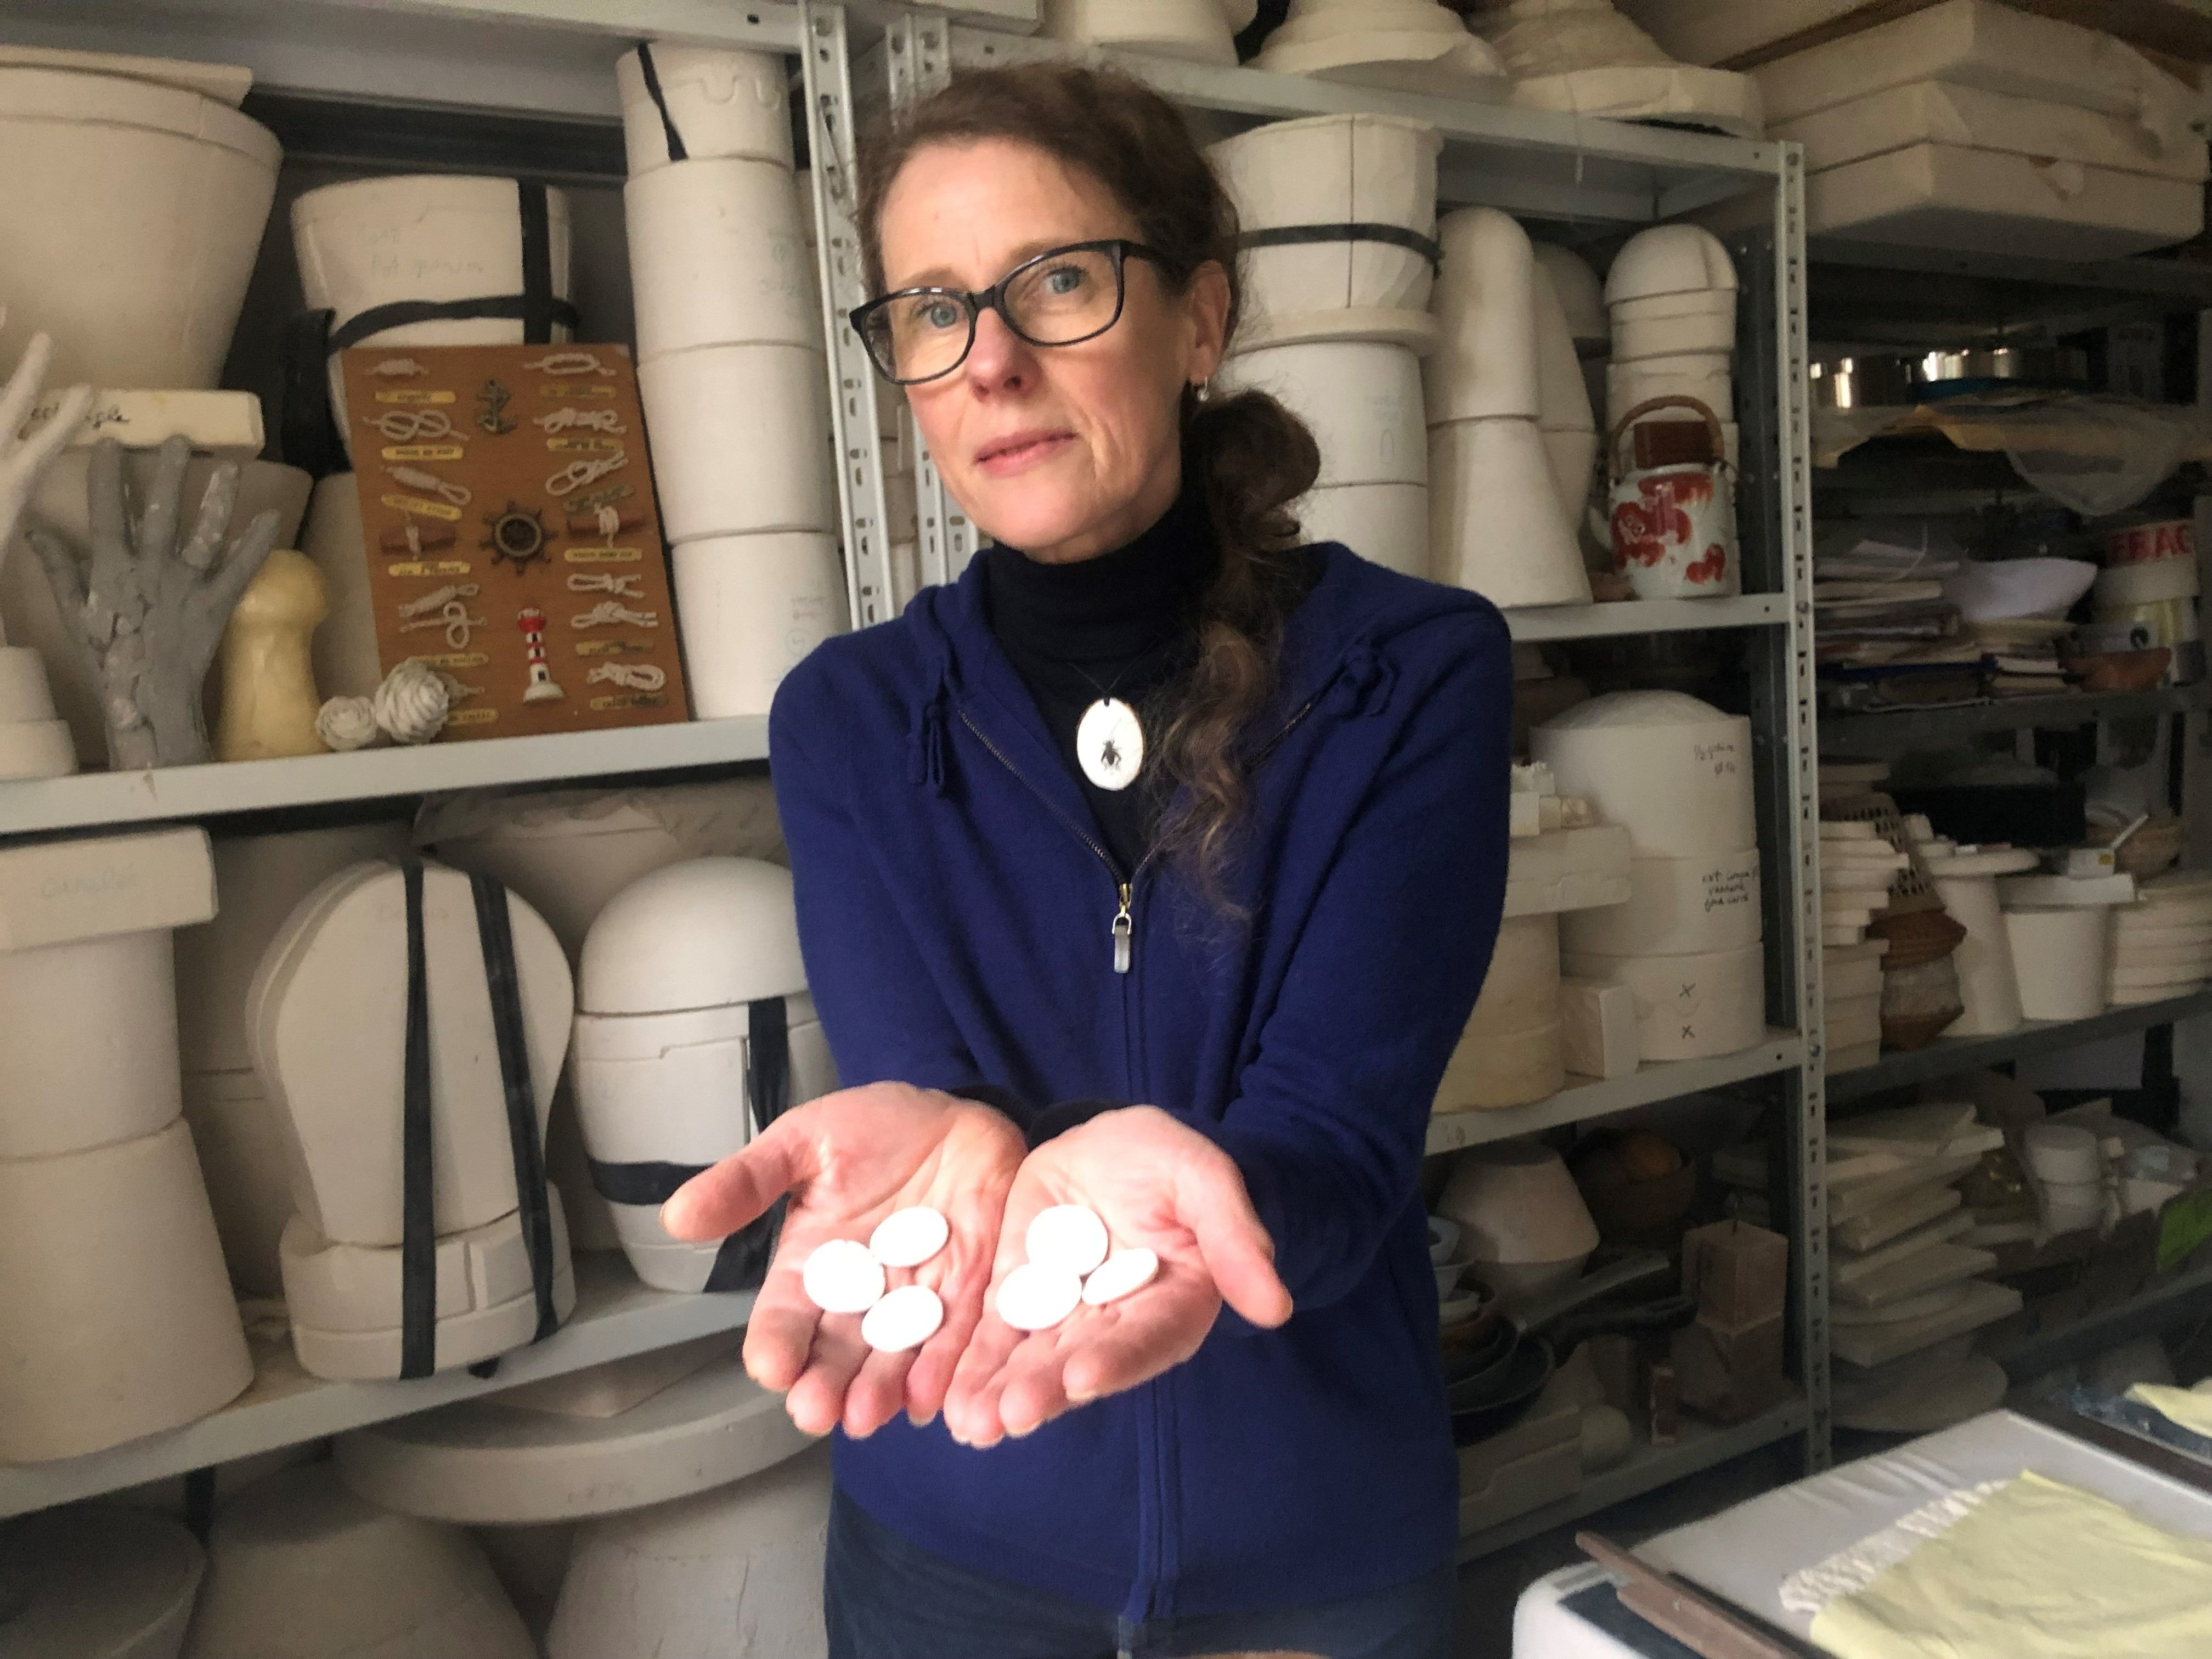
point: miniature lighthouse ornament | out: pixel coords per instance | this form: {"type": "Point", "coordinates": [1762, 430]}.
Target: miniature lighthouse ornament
{"type": "Point", "coordinates": [543, 689]}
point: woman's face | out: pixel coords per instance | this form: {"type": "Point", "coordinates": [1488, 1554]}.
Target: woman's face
{"type": "Point", "coordinates": [1063, 451]}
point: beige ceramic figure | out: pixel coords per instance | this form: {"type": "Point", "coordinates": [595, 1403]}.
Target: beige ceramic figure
{"type": "Point", "coordinates": [34, 743]}
{"type": "Point", "coordinates": [269, 696]}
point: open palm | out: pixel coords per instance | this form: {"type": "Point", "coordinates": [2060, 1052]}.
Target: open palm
{"type": "Point", "coordinates": [1157, 1184]}
{"type": "Point", "coordinates": [849, 1159]}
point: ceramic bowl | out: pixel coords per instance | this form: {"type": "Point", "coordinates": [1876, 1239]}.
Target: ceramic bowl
{"type": "Point", "coordinates": [1515, 1203]}
{"type": "Point", "coordinates": [1443, 1239]}
{"type": "Point", "coordinates": [1447, 1276]}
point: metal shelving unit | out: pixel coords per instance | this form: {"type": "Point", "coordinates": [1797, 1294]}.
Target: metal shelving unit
{"type": "Point", "coordinates": [1586, 179]}
{"type": "Point", "coordinates": [2037, 1037]}
{"type": "Point", "coordinates": [523, 85]}
{"type": "Point", "coordinates": [616, 1317]}
{"type": "Point", "coordinates": [1586, 1098]}
{"type": "Point", "coordinates": [1702, 1446]}
{"type": "Point", "coordinates": [1900, 728]}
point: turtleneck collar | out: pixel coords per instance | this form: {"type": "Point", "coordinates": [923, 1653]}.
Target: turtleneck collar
{"type": "Point", "coordinates": [1118, 604]}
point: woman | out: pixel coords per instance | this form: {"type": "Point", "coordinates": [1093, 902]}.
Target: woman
{"type": "Point", "coordinates": [1153, 866]}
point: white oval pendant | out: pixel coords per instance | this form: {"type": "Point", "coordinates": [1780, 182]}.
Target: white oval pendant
{"type": "Point", "coordinates": [1110, 743]}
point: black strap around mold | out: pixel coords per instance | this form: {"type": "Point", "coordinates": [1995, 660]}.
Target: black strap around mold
{"type": "Point", "coordinates": [742, 1261]}
{"type": "Point", "coordinates": [418, 1214]}
{"type": "Point", "coordinates": [677, 152]}
{"type": "Point", "coordinates": [495, 932]}
{"type": "Point", "coordinates": [534, 307]}
{"type": "Point", "coordinates": [1357, 231]}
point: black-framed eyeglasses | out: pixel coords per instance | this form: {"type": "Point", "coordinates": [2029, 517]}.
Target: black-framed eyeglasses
{"type": "Point", "coordinates": [1061, 298]}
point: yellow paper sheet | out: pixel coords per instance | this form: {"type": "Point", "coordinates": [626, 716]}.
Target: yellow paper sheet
{"type": "Point", "coordinates": [2036, 1570]}
{"type": "Point", "coordinates": [2192, 1410]}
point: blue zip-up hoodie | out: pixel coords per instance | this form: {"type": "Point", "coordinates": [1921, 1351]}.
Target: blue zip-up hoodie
{"type": "Point", "coordinates": [956, 907]}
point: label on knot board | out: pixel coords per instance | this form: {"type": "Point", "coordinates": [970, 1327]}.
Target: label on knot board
{"type": "Point", "coordinates": [513, 539]}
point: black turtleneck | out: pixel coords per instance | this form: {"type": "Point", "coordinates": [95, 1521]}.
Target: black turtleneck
{"type": "Point", "coordinates": [1124, 622]}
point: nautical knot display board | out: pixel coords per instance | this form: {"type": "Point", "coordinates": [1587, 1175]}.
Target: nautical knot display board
{"type": "Point", "coordinates": [512, 540]}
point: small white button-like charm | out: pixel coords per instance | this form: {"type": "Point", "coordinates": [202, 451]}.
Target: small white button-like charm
{"type": "Point", "coordinates": [841, 1277]}
{"type": "Point", "coordinates": [909, 1237]}
{"type": "Point", "coordinates": [1109, 742]}
{"type": "Point", "coordinates": [1122, 1273]}
{"type": "Point", "coordinates": [1068, 1236]}
{"type": "Point", "coordinates": [906, 1318]}
{"type": "Point", "coordinates": [1034, 1298]}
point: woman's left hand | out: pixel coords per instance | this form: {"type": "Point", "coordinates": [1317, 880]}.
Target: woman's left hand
{"type": "Point", "coordinates": [1156, 1183]}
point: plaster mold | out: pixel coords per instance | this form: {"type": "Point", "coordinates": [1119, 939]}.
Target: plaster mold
{"type": "Point", "coordinates": [348, 662]}
{"type": "Point", "coordinates": [769, 404]}
{"type": "Point", "coordinates": [346, 1306]}
{"type": "Point", "coordinates": [696, 1030]}
{"type": "Point", "coordinates": [373, 242]}
{"type": "Point", "coordinates": [717, 256]}
{"type": "Point", "coordinates": [96, 1582]}
{"type": "Point", "coordinates": [1677, 906]}
{"type": "Point", "coordinates": [29, 611]}
{"type": "Point", "coordinates": [1581, 295]}
{"type": "Point", "coordinates": [1485, 364]}
{"type": "Point", "coordinates": [753, 606]}
{"type": "Point", "coordinates": [326, 1016]}
{"type": "Point", "coordinates": [1360, 399]}
{"type": "Point", "coordinates": [120, 1321]}
{"type": "Point", "coordinates": [1584, 57]}
{"type": "Point", "coordinates": [1988, 985]}
{"type": "Point", "coordinates": [1388, 524]}
{"type": "Point", "coordinates": [721, 104]}
{"type": "Point", "coordinates": [257, 881]}
{"type": "Point", "coordinates": [2059, 953]}
{"type": "Point", "coordinates": [1497, 525]}
{"type": "Point", "coordinates": [1949, 196]}
{"type": "Point", "coordinates": [1688, 1007]}
{"type": "Point", "coordinates": [88, 1045]}
{"type": "Point", "coordinates": [299, 1568]}
{"type": "Point", "coordinates": [249, 1178]}
{"type": "Point", "coordinates": [1196, 29]}
{"type": "Point", "coordinates": [1675, 770]}
{"type": "Point", "coordinates": [149, 200]}
{"type": "Point", "coordinates": [1334, 170]}
{"type": "Point", "coordinates": [1564, 418]}
{"type": "Point", "coordinates": [735, 1573]}
{"type": "Point", "coordinates": [484, 1462]}
{"type": "Point", "coordinates": [1523, 1222]}
{"type": "Point", "coordinates": [566, 854]}
{"type": "Point", "coordinates": [1513, 1050]}
{"type": "Point", "coordinates": [1400, 45]}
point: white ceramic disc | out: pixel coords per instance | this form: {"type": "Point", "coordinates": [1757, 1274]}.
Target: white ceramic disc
{"type": "Point", "coordinates": [1122, 1273]}
{"type": "Point", "coordinates": [841, 1277]}
{"type": "Point", "coordinates": [906, 1318]}
{"type": "Point", "coordinates": [1035, 1298]}
{"type": "Point", "coordinates": [1069, 1237]}
{"type": "Point", "coordinates": [1110, 743]}
{"type": "Point", "coordinates": [909, 1237]}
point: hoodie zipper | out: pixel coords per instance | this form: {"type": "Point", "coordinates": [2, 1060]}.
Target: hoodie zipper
{"type": "Point", "coordinates": [1123, 927]}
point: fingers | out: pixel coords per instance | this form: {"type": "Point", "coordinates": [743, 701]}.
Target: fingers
{"type": "Point", "coordinates": [23, 391]}
{"type": "Point", "coordinates": [63, 572]}
{"type": "Point", "coordinates": [109, 517]}
{"type": "Point", "coordinates": [971, 1404]}
{"type": "Point", "coordinates": [1211, 1201]}
{"type": "Point", "coordinates": [878, 1393]}
{"type": "Point", "coordinates": [817, 1400]}
{"type": "Point", "coordinates": [212, 521]}
{"type": "Point", "coordinates": [740, 1188]}
{"type": "Point", "coordinates": [247, 556]}
{"type": "Point", "coordinates": [157, 526]}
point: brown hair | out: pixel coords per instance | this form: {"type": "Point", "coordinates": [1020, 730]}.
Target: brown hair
{"type": "Point", "coordinates": [1257, 457]}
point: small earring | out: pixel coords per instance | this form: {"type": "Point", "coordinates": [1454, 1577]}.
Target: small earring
{"type": "Point", "coordinates": [1203, 390]}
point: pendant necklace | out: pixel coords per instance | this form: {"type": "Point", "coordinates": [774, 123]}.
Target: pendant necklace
{"type": "Point", "coordinates": [1109, 741]}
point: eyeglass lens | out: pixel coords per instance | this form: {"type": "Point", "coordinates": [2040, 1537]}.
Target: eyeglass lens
{"type": "Point", "coordinates": [1058, 300]}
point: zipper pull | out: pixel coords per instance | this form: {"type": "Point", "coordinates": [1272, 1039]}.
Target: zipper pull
{"type": "Point", "coordinates": [1125, 930]}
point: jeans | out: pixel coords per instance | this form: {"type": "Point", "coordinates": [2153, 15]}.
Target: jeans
{"type": "Point", "coordinates": [885, 1598]}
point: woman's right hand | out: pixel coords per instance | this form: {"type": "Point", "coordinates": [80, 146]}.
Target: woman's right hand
{"type": "Point", "coordinates": [849, 1159]}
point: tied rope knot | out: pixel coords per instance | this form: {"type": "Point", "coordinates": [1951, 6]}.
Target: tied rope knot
{"type": "Point", "coordinates": [1365, 681]}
